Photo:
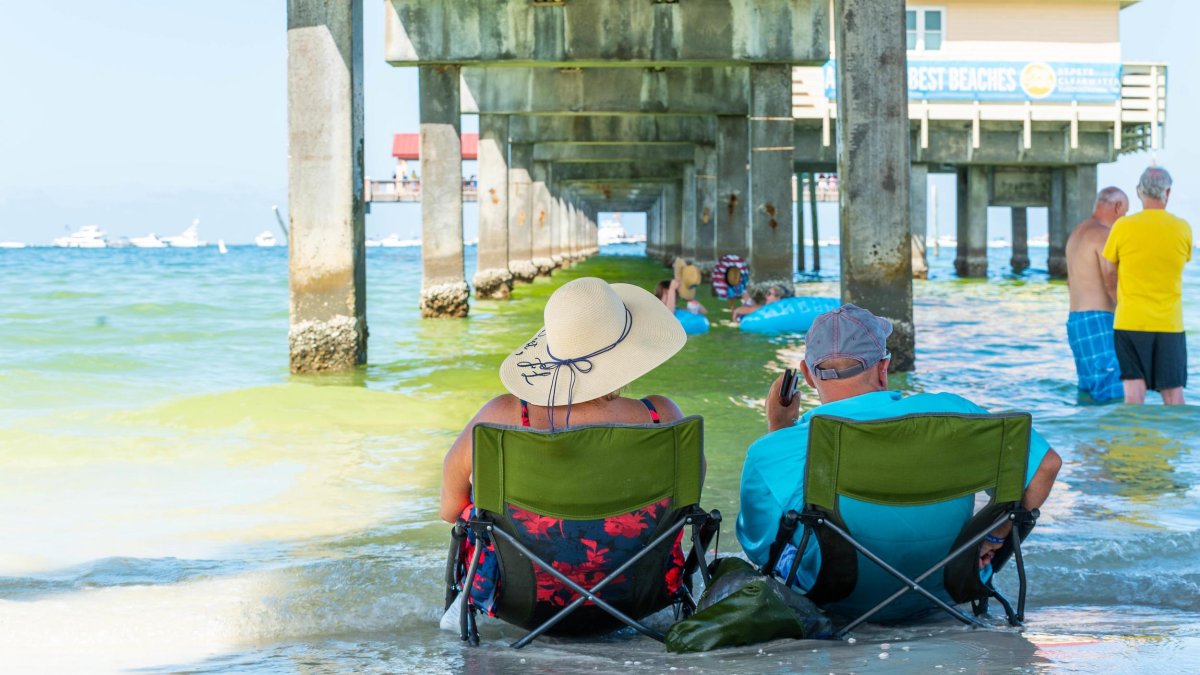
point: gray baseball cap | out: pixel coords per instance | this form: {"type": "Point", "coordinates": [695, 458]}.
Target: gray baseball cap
{"type": "Point", "coordinates": [848, 332]}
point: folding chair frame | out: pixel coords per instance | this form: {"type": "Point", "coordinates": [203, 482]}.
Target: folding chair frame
{"type": "Point", "coordinates": [814, 517]}
{"type": "Point", "coordinates": [704, 527]}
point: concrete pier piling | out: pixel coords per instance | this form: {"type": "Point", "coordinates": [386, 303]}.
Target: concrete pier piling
{"type": "Point", "coordinates": [520, 208]}
{"type": "Point", "coordinates": [1056, 261]}
{"type": "Point", "coordinates": [976, 263]}
{"type": "Point", "coordinates": [918, 218]}
{"type": "Point", "coordinates": [542, 217]}
{"type": "Point", "coordinates": [1020, 240]}
{"type": "Point", "coordinates": [326, 254]}
{"type": "Point", "coordinates": [771, 151]}
{"type": "Point", "coordinates": [733, 186]}
{"type": "Point", "coordinates": [706, 206]}
{"type": "Point", "coordinates": [494, 279]}
{"type": "Point", "coordinates": [689, 238]}
{"type": "Point", "coordinates": [444, 287]}
{"type": "Point", "coordinates": [873, 166]}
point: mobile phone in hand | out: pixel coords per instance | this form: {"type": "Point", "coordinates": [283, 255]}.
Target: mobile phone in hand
{"type": "Point", "coordinates": [787, 389]}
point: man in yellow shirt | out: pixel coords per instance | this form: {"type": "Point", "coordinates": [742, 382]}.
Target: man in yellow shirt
{"type": "Point", "coordinates": [1149, 250]}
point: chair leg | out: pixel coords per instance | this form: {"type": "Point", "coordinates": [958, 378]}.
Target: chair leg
{"type": "Point", "coordinates": [466, 620]}
{"type": "Point", "coordinates": [1016, 541]}
{"type": "Point", "coordinates": [458, 535]}
{"type": "Point", "coordinates": [1012, 616]}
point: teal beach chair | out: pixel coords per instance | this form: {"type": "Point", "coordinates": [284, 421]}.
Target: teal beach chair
{"type": "Point", "coordinates": [585, 526]}
{"type": "Point", "coordinates": [934, 461]}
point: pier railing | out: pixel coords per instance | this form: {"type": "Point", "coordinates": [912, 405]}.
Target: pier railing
{"type": "Point", "coordinates": [401, 190]}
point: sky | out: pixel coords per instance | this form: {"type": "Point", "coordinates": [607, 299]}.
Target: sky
{"type": "Point", "coordinates": [141, 115]}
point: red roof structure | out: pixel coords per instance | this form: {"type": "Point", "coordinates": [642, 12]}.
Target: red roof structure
{"type": "Point", "coordinates": [408, 146]}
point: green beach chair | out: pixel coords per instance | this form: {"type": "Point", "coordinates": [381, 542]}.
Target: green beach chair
{"type": "Point", "coordinates": [906, 462]}
{"type": "Point", "coordinates": [585, 525]}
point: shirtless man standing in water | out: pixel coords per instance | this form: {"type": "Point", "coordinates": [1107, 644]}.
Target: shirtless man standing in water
{"type": "Point", "coordinates": [1090, 323]}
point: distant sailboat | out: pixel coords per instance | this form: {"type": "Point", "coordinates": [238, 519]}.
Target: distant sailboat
{"type": "Point", "coordinates": [221, 246]}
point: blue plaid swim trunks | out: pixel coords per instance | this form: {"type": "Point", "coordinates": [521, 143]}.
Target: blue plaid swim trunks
{"type": "Point", "coordinates": [1090, 335]}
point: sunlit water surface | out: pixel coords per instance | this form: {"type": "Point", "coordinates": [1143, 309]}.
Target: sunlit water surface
{"type": "Point", "coordinates": [174, 500]}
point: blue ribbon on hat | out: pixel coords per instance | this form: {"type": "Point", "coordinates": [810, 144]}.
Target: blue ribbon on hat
{"type": "Point", "coordinates": [580, 364]}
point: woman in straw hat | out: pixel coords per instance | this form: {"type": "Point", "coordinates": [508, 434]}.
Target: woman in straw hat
{"type": "Point", "coordinates": [598, 337]}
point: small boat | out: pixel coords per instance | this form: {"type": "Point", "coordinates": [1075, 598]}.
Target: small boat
{"type": "Point", "coordinates": [88, 236]}
{"type": "Point", "coordinates": [187, 239]}
{"type": "Point", "coordinates": [149, 241]}
{"type": "Point", "coordinates": [12, 244]}
{"type": "Point", "coordinates": [221, 246]}
{"type": "Point", "coordinates": [265, 239]}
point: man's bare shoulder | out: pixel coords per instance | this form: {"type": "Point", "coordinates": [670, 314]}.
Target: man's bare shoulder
{"type": "Point", "coordinates": [1092, 233]}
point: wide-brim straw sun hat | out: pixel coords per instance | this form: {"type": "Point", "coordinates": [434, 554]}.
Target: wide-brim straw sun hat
{"type": "Point", "coordinates": [598, 338]}
{"type": "Point", "coordinates": [689, 278]}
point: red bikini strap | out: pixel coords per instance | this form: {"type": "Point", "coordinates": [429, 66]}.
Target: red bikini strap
{"type": "Point", "coordinates": [653, 412]}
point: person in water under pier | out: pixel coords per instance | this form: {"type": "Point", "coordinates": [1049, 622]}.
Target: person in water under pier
{"type": "Point", "coordinates": [1149, 250]}
{"type": "Point", "coordinates": [846, 362]}
{"type": "Point", "coordinates": [773, 294]}
{"type": "Point", "coordinates": [1091, 283]}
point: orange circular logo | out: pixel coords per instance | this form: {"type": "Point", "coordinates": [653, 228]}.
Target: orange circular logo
{"type": "Point", "coordinates": [1038, 80]}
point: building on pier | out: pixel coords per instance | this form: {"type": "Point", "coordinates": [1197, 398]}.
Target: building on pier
{"type": "Point", "coordinates": [1020, 99]}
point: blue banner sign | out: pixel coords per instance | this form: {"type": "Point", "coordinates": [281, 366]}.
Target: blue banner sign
{"type": "Point", "coordinates": [1005, 81]}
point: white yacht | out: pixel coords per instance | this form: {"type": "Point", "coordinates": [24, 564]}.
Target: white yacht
{"type": "Point", "coordinates": [12, 244]}
{"type": "Point", "coordinates": [88, 236]}
{"type": "Point", "coordinates": [394, 241]}
{"type": "Point", "coordinates": [188, 239]}
{"type": "Point", "coordinates": [265, 239]}
{"type": "Point", "coordinates": [611, 232]}
{"type": "Point", "coordinates": [149, 241]}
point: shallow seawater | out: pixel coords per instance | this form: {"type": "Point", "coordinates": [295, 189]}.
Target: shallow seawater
{"type": "Point", "coordinates": [175, 501]}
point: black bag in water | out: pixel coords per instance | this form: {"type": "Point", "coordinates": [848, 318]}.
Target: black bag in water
{"type": "Point", "coordinates": [742, 607]}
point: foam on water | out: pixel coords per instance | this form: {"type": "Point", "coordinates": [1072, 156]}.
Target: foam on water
{"type": "Point", "coordinates": [178, 502]}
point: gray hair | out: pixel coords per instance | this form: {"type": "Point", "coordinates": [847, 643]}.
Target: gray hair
{"type": "Point", "coordinates": [1111, 195]}
{"type": "Point", "coordinates": [1154, 183]}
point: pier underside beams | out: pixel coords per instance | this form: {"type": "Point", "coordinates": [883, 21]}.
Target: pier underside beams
{"type": "Point", "coordinates": [326, 254]}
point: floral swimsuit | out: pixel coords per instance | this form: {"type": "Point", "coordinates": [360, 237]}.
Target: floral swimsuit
{"type": "Point", "coordinates": [582, 550]}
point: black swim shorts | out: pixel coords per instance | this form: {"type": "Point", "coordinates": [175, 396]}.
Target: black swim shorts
{"type": "Point", "coordinates": [1158, 358]}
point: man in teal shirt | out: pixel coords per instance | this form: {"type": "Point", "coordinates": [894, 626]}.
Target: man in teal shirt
{"type": "Point", "coordinates": [846, 361]}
